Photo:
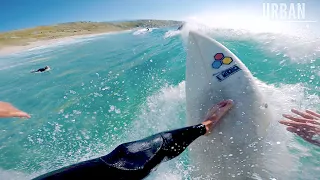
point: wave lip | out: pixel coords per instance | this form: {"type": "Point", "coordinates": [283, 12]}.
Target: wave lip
{"type": "Point", "coordinates": [171, 33]}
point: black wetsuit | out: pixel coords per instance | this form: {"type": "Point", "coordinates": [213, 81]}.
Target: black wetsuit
{"type": "Point", "coordinates": [40, 70]}
{"type": "Point", "coordinates": [133, 160]}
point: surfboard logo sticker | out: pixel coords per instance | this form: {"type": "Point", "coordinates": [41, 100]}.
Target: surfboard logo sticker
{"type": "Point", "coordinates": [220, 59]}
{"type": "Point", "coordinates": [227, 73]}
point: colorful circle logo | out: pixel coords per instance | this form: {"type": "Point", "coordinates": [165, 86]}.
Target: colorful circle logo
{"type": "Point", "coordinates": [220, 59]}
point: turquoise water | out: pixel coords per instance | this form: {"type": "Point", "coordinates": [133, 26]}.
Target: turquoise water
{"type": "Point", "coordinates": [107, 90]}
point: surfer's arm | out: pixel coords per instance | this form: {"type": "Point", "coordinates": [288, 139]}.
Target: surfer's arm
{"type": "Point", "coordinates": [147, 153]}
{"type": "Point", "coordinates": [135, 160]}
{"type": "Point", "coordinates": [138, 158]}
{"type": "Point", "coordinates": [34, 71]}
{"type": "Point", "coordinates": [7, 110]}
{"type": "Point", "coordinates": [176, 141]}
{"type": "Point", "coordinates": [132, 160]}
{"type": "Point", "coordinates": [306, 125]}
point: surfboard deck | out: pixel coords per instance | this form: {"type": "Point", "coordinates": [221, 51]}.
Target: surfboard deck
{"type": "Point", "coordinates": [214, 73]}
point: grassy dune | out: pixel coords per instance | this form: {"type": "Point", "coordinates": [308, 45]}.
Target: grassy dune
{"type": "Point", "coordinates": [25, 36]}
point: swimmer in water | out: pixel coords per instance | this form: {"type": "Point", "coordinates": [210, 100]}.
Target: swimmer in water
{"type": "Point", "coordinates": [180, 27]}
{"type": "Point", "coordinates": [47, 68]}
{"type": "Point", "coordinates": [135, 160]}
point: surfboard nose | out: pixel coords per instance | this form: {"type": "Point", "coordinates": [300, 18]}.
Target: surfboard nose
{"type": "Point", "coordinates": [191, 33]}
{"type": "Point", "coordinates": [193, 36]}
{"type": "Point", "coordinates": [194, 33]}
{"type": "Point", "coordinates": [199, 37]}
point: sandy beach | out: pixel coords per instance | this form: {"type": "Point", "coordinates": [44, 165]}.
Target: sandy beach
{"type": "Point", "coordinates": [51, 42]}
{"type": "Point", "coordinates": [16, 41]}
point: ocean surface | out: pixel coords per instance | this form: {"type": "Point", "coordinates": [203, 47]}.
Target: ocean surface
{"type": "Point", "coordinates": [106, 90]}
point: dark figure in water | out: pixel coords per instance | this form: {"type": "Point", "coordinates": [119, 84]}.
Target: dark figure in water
{"type": "Point", "coordinates": [47, 68]}
{"type": "Point", "coordinates": [180, 27]}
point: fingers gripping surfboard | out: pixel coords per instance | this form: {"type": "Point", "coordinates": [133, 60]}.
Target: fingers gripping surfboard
{"type": "Point", "coordinates": [214, 73]}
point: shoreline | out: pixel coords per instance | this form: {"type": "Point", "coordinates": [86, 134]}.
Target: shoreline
{"type": "Point", "coordinates": [9, 50]}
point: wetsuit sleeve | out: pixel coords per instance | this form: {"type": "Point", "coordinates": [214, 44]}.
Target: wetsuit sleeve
{"type": "Point", "coordinates": [176, 141]}
{"type": "Point", "coordinates": [142, 156]}
{"type": "Point", "coordinates": [133, 160]}
{"type": "Point", "coordinates": [41, 70]}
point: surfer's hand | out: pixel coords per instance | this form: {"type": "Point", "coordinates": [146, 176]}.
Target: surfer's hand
{"type": "Point", "coordinates": [306, 125]}
{"type": "Point", "coordinates": [7, 110]}
{"type": "Point", "coordinates": [216, 113]}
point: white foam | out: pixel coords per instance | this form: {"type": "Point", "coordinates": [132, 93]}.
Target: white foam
{"type": "Point", "coordinates": [249, 18]}
{"type": "Point", "coordinates": [171, 33]}
{"type": "Point", "coordinates": [143, 31]}
{"type": "Point", "coordinates": [299, 48]}
{"type": "Point", "coordinates": [164, 110]}
{"type": "Point", "coordinates": [161, 111]}
{"type": "Point", "coordinates": [281, 142]}
{"type": "Point", "coordinates": [13, 175]}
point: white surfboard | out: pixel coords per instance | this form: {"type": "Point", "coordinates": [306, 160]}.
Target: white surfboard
{"type": "Point", "coordinates": [233, 150]}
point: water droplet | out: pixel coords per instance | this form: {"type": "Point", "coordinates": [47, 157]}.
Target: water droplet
{"type": "Point", "coordinates": [312, 77]}
{"type": "Point", "coordinates": [111, 108]}
{"type": "Point", "coordinates": [316, 137]}
{"type": "Point", "coordinates": [117, 111]}
{"type": "Point", "coordinates": [105, 88]}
